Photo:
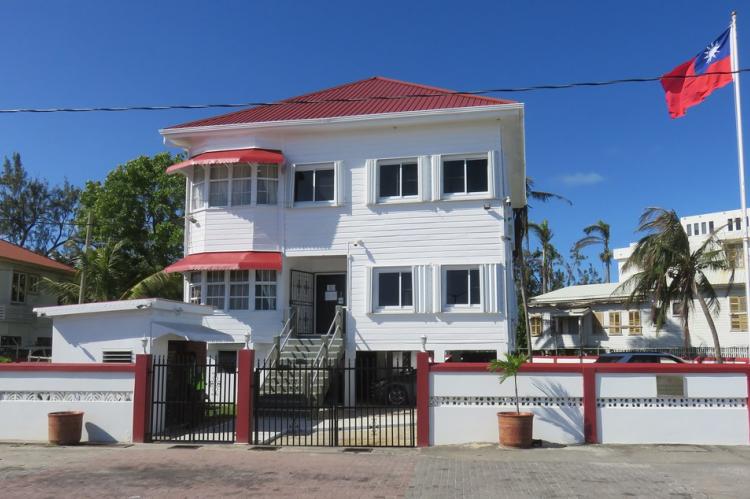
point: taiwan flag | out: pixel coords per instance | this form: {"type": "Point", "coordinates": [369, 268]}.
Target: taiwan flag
{"type": "Point", "coordinates": [685, 87]}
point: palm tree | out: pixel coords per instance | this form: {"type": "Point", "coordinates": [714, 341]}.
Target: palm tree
{"type": "Point", "coordinates": [521, 224]}
{"type": "Point", "coordinates": [597, 233]}
{"type": "Point", "coordinates": [668, 271]}
{"type": "Point", "coordinates": [106, 276]}
{"type": "Point", "coordinates": [549, 253]}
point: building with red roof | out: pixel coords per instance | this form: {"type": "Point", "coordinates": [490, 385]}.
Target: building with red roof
{"type": "Point", "coordinates": [21, 274]}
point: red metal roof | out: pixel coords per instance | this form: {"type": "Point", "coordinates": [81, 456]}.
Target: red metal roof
{"type": "Point", "coordinates": [234, 156]}
{"type": "Point", "coordinates": [375, 95]}
{"type": "Point", "coordinates": [15, 253]}
{"type": "Point", "coordinates": [230, 260]}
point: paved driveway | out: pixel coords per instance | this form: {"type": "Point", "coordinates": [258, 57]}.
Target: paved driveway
{"type": "Point", "coordinates": [156, 470]}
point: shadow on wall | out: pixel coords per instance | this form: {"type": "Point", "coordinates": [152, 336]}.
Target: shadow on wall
{"type": "Point", "coordinates": [564, 411]}
{"type": "Point", "coordinates": [98, 434]}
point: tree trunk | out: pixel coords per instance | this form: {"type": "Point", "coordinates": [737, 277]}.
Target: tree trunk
{"type": "Point", "coordinates": [544, 269]}
{"type": "Point", "coordinates": [685, 328]}
{"type": "Point", "coordinates": [711, 325]}
{"type": "Point", "coordinates": [524, 299]}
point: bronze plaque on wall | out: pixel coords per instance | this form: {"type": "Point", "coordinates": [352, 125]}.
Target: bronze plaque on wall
{"type": "Point", "coordinates": [670, 386]}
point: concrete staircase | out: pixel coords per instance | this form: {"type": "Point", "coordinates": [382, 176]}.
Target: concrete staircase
{"type": "Point", "coordinates": [295, 381]}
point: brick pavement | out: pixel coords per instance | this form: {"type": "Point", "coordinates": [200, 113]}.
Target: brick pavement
{"type": "Point", "coordinates": [481, 471]}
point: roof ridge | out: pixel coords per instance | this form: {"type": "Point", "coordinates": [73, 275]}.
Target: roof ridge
{"type": "Point", "coordinates": [34, 253]}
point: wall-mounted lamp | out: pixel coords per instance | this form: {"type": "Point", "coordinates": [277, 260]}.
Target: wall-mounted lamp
{"type": "Point", "coordinates": [247, 340]}
{"type": "Point", "coordinates": [424, 343]}
{"type": "Point", "coordinates": [144, 344]}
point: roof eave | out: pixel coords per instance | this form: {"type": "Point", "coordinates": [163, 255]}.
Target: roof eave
{"type": "Point", "coordinates": [178, 136]}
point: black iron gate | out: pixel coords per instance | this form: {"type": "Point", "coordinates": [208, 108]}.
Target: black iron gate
{"type": "Point", "coordinates": [341, 405]}
{"type": "Point", "coordinates": [193, 399]}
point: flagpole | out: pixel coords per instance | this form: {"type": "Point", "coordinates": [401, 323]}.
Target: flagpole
{"type": "Point", "coordinates": [734, 56]}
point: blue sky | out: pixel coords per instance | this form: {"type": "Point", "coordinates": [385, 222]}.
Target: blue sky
{"type": "Point", "coordinates": [613, 151]}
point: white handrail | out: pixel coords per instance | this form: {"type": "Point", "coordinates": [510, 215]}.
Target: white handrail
{"type": "Point", "coordinates": [332, 334]}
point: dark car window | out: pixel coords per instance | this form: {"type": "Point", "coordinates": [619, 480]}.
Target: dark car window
{"type": "Point", "coordinates": [669, 360]}
{"type": "Point", "coordinates": [609, 358]}
{"type": "Point", "coordinates": [647, 359]}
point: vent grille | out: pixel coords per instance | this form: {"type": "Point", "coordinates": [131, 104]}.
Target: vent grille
{"type": "Point", "coordinates": [117, 356]}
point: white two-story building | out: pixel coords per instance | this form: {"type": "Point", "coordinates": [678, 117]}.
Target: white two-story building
{"type": "Point", "coordinates": [391, 199]}
{"type": "Point", "coordinates": [597, 315]}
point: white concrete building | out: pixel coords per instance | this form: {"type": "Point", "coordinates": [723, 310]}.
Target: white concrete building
{"type": "Point", "coordinates": [596, 315]}
{"type": "Point", "coordinates": [398, 208]}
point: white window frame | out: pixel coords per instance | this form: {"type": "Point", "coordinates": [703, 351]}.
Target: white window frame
{"type": "Point", "coordinates": [326, 165]}
{"type": "Point", "coordinates": [269, 180]}
{"type": "Point", "coordinates": [195, 285]}
{"type": "Point", "coordinates": [15, 274]}
{"type": "Point", "coordinates": [252, 178]}
{"type": "Point", "coordinates": [477, 307]}
{"type": "Point", "coordinates": [465, 194]}
{"type": "Point", "coordinates": [205, 187]}
{"type": "Point", "coordinates": [377, 308]}
{"type": "Point", "coordinates": [201, 191]}
{"type": "Point", "coordinates": [256, 282]}
{"type": "Point", "coordinates": [245, 283]}
{"type": "Point", "coordinates": [400, 162]}
{"type": "Point", "coordinates": [223, 283]}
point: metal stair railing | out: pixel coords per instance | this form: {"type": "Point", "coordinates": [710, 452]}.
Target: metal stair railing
{"type": "Point", "coordinates": [335, 331]}
{"type": "Point", "coordinates": [279, 341]}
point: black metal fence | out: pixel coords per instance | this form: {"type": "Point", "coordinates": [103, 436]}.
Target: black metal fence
{"type": "Point", "coordinates": [193, 400]}
{"type": "Point", "coordinates": [356, 405]}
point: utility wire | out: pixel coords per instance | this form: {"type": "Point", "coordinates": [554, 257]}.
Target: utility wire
{"type": "Point", "coordinates": [533, 88]}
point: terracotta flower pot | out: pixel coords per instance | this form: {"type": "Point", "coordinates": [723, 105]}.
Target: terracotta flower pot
{"type": "Point", "coordinates": [516, 429]}
{"type": "Point", "coordinates": [64, 428]}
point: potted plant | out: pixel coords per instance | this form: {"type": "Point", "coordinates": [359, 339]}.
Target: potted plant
{"type": "Point", "coordinates": [516, 428]}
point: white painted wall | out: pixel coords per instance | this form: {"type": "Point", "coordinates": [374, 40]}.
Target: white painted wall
{"type": "Point", "coordinates": [105, 397]}
{"type": "Point", "coordinates": [462, 408]}
{"type": "Point", "coordinates": [713, 412]}
{"type": "Point", "coordinates": [422, 233]}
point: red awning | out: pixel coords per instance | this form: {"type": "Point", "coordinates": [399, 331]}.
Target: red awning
{"type": "Point", "coordinates": [230, 157]}
{"type": "Point", "coordinates": [231, 260]}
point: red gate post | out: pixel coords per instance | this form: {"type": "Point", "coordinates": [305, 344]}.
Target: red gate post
{"type": "Point", "coordinates": [423, 399]}
{"type": "Point", "coordinates": [141, 397]}
{"type": "Point", "coordinates": [590, 431]}
{"type": "Point", "coordinates": [245, 381]}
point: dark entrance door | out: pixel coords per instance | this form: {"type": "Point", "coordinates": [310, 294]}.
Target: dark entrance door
{"type": "Point", "coordinates": [330, 291]}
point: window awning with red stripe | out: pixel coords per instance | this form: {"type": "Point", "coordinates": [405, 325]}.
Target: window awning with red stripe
{"type": "Point", "coordinates": [231, 260]}
{"type": "Point", "coordinates": [266, 156]}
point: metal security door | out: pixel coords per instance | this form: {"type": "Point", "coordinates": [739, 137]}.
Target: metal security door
{"type": "Point", "coordinates": [302, 300]}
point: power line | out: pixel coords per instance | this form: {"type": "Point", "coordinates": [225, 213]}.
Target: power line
{"type": "Point", "coordinates": [508, 90]}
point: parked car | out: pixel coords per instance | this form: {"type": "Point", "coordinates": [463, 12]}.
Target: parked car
{"type": "Point", "coordinates": [639, 357]}
{"type": "Point", "coordinates": [398, 389]}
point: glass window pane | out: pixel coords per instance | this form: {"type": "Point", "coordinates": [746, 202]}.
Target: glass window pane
{"type": "Point", "coordinates": [689, 229]}
{"type": "Point", "coordinates": [476, 175]}
{"type": "Point", "coordinates": [409, 180]}
{"type": "Point", "coordinates": [324, 183]}
{"type": "Point", "coordinates": [303, 186]}
{"type": "Point", "coordinates": [267, 191]}
{"type": "Point", "coordinates": [388, 289]}
{"type": "Point", "coordinates": [474, 279]}
{"type": "Point", "coordinates": [219, 172]}
{"type": "Point", "coordinates": [457, 287]}
{"type": "Point", "coordinates": [199, 175]}
{"type": "Point", "coordinates": [406, 290]}
{"type": "Point", "coordinates": [710, 227]}
{"type": "Point", "coordinates": [242, 171]}
{"type": "Point", "coordinates": [197, 196]}
{"type": "Point", "coordinates": [453, 176]}
{"type": "Point", "coordinates": [389, 180]}
{"type": "Point", "coordinates": [268, 171]}
{"type": "Point", "coordinates": [241, 191]}
{"type": "Point", "coordinates": [218, 193]}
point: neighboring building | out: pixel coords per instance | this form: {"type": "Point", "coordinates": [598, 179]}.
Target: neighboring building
{"type": "Point", "coordinates": [596, 315]}
{"type": "Point", "coordinates": [399, 208]}
{"type": "Point", "coordinates": [21, 272]}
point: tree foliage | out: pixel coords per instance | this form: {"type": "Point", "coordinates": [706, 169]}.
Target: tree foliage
{"type": "Point", "coordinates": [33, 214]}
{"type": "Point", "coordinates": [667, 270]}
{"type": "Point", "coordinates": [598, 234]}
{"type": "Point", "coordinates": [142, 207]}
